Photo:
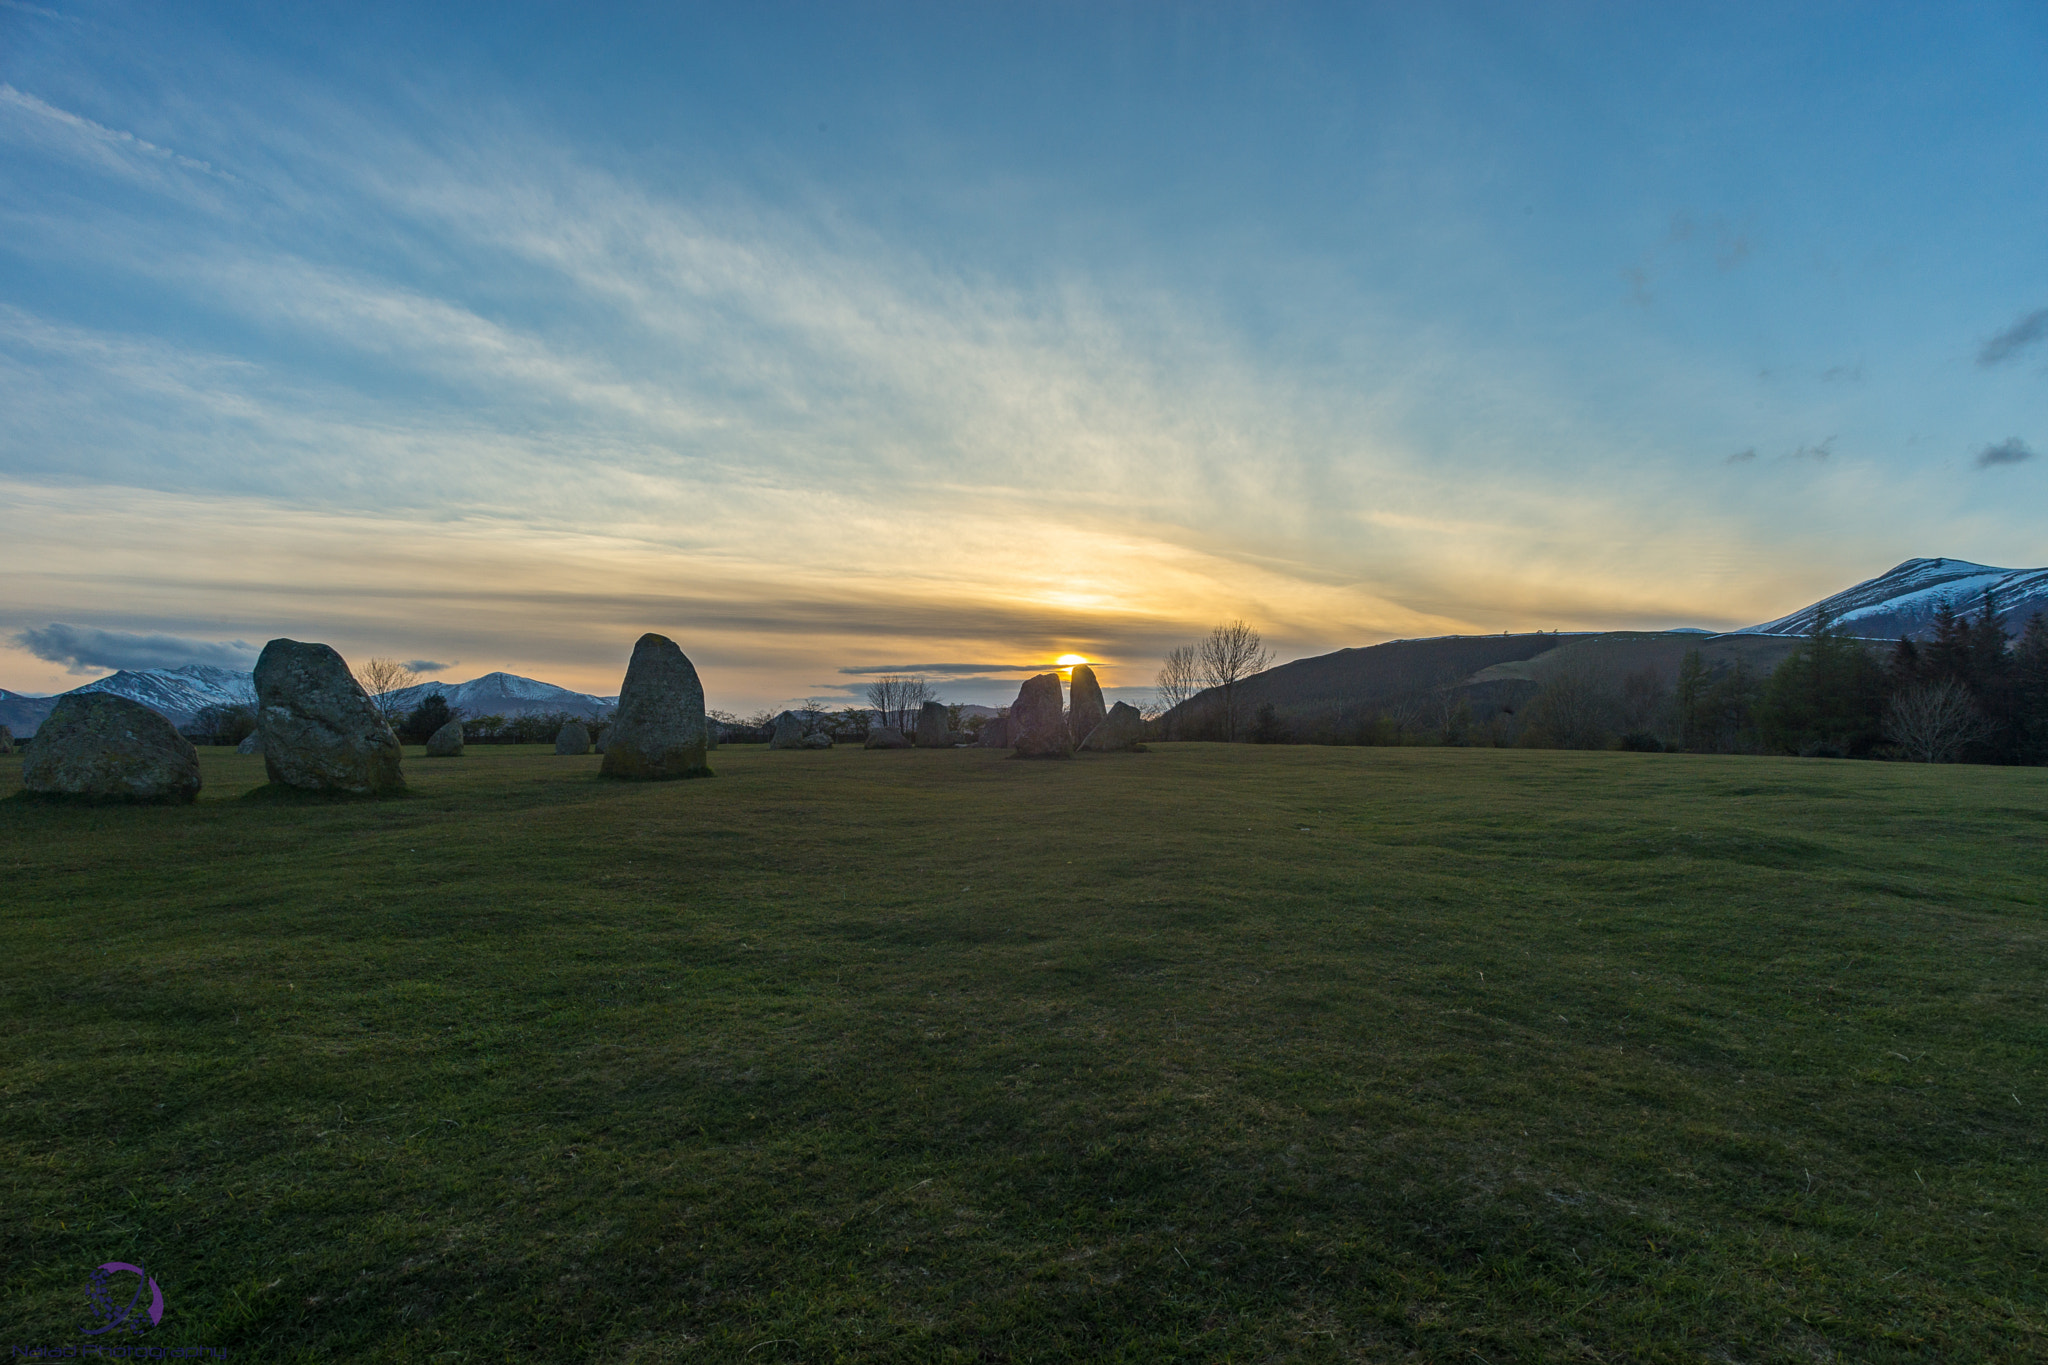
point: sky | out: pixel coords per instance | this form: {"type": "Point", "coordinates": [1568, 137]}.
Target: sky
{"type": "Point", "coordinates": [832, 339]}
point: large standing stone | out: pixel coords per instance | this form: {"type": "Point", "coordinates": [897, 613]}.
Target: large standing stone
{"type": "Point", "coordinates": [1038, 723]}
{"type": "Point", "coordinates": [1121, 729]}
{"type": "Point", "coordinates": [446, 742]}
{"type": "Point", "coordinates": [101, 745]}
{"type": "Point", "coordinates": [789, 732]}
{"type": "Point", "coordinates": [1084, 704]}
{"type": "Point", "coordinates": [885, 737]}
{"type": "Point", "coordinates": [572, 739]}
{"type": "Point", "coordinates": [320, 730]}
{"type": "Point", "coordinates": [931, 726]}
{"type": "Point", "coordinates": [995, 733]}
{"type": "Point", "coordinates": [252, 743]}
{"type": "Point", "coordinates": [658, 731]}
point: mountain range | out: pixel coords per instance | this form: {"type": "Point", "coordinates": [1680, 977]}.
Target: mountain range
{"type": "Point", "coordinates": [182, 693]}
{"type": "Point", "coordinates": [1901, 601]}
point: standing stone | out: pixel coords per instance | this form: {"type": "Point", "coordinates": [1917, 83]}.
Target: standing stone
{"type": "Point", "coordinates": [6, 740]}
{"type": "Point", "coordinates": [1084, 704]}
{"type": "Point", "coordinates": [931, 726]}
{"type": "Point", "coordinates": [995, 733]}
{"type": "Point", "coordinates": [789, 732]}
{"type": "Point", "coordinates": [252, 743]}
{"type": "Point", "coordinates": [101, 745]}
{"type": "Point", "coordinates": [446, 742]}
{"type": "Point", "coordinates": [1038, 723]}
{"type": "Point", "coordinates": [885, 737]}
{"type": "Point", "coordinates": [1120, 731]}
{"type": "Point", "coordinates": [817, 739]}
{"type": "Point", "coordinates": [659, 731]}
{"type": "Point", "coordinates": [572, 739]}
{"type": "Point", "coordinates": [320, 730]}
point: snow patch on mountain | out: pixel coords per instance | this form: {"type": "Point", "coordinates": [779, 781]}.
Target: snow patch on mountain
{"type": "Point", "coordinates": [1904, 600]}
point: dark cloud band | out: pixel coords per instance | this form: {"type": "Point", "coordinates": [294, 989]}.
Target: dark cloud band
{"type": "Point", "coordinates": [87, 647]}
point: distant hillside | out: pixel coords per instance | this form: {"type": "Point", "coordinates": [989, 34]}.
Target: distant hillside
{"type": "Point", "coordinates": [1489, 673]}
{"type": "Point", "coordinates": [1903, 601]}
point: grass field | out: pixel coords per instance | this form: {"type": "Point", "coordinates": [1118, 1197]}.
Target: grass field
{"type": "Point", "coordinates": [1206, 1054]}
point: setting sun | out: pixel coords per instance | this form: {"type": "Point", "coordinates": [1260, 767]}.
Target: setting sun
{"type": "Point", "coordinates": [1066, 664]}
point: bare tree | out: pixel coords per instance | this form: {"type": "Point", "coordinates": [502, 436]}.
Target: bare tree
{"type": "Point", "coordinates": [383, 679]}
{"type": "Point", "coordinates": [1643, 698]}
{"type": "Point", "coordinates": [1232, 653]}
{"type": "Point", "coordinates": [1180, 677]}
{"type": "Point", "coordinates": [1934, 722]}
{"type": "Point", "coordinates": [1573, 711]}
{"type": "Point", "coordinates": [894, 697]}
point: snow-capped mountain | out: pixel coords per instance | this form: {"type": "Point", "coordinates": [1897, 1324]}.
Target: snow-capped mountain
{"type": "Point", "coordinates": [504, 694]}
{"type": "Point", "coordinates": [182, 693]}
{"type": "Point", "coordinates": [1903, 601]}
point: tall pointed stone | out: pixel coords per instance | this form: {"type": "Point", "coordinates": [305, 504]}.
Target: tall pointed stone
{"type": "Point", "coordinates": [658, 731]}
{"type": "Point", "coordinates": [931, 726]}
{"type": "Point", "coordinates": [1038, 723]}
{"type": "Point", "coordinates": [789, 732]}
{"type": "Point", "coordinates": [321, 731]}
{"type": "Point", "coordinates": [1084, 704]}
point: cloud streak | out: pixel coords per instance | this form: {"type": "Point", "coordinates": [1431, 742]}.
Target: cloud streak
{"type": "Point", "coordinates": [2012, 450]}
{"type": "Point", "coordinates": [83, 649]}
{"type": "Point", "coordinates": [2014, 339]}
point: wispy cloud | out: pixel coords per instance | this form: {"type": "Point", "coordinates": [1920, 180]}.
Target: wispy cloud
{"type": "Point", "coordinates": [2014, 339]}
{"type": "Point", "coordinates": [867, 670]}
{"type": "Point", "coordinates": [430, 665]}
{"type": "Point", "coordinates": [2012, 450]}
{"type": "Point", "coordinates": [84, 649]}
{"type": "Point", "coordinates": [26, 118]}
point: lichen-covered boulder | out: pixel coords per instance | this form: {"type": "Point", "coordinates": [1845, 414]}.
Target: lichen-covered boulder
{"type": "Point", "coordinates": [103, 746]}
{"type": "Point", "coordinates": [931, 726]}
{"type": "Point", "coordinates": [252, 743]}
{"type": "Point", "coordinates": [446, 742]}
{"type": "Point", "coordinates": [658, 732]}
{"type": "Point", "coordinates": [1084, 704]}
{"type": "Point", "coordinates": [995, 733]}
{"type": "Point", "coordinates": [1120, 731]}
{"type": "Point", "coordinates": [572, 739]}
{"type": "Point", "coordinates": [789, 732]}
{"type": "Point", "coordinates": [1038, 723]}
{"type": "Point", "coordinates": [320, 730]}
{"type": "Point", "coordinates": [817, 739]}
{"type": "Point", "coordinates": [885, 737]}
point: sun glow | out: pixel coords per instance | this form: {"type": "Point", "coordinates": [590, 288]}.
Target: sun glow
{"type": "Point", "coordinates": [1066, 664]}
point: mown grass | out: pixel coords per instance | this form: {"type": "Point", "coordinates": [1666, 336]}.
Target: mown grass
{"type": "Point", "coordinates": [1205, 1054]}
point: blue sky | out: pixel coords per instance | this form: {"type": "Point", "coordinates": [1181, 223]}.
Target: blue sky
{"type": "Point", "coordinates": [830, 338]}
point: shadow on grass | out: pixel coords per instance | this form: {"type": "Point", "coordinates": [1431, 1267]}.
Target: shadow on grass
{"type": "Point", "coordinates": [64, 800]}
{"type": "Point", "coordinates": [278, 794]}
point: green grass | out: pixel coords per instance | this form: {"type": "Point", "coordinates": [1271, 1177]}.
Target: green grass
{"type": "Point", "coordinates": [1206, 1054]}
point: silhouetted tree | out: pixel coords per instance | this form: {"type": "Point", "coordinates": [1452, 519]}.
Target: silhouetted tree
{"type": "Point", "coordinates": [1232, 653]}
